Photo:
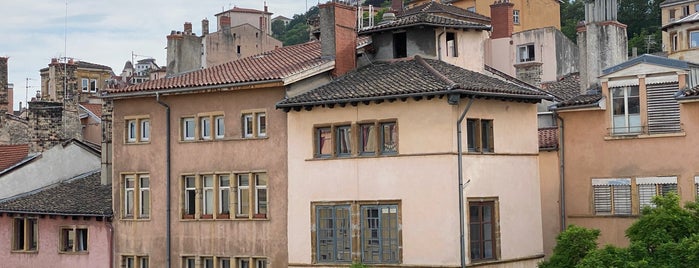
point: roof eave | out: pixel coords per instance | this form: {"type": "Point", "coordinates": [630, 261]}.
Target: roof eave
{"type": "Point", "coordinates": [72, 214]}
{"type": "Point", "coordinates": [474, 27]}
{"type": "Point", "coordinates": [153, 92]}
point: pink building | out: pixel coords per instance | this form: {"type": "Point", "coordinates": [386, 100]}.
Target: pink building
{"type": "Point", "coordinates": [67, 224]}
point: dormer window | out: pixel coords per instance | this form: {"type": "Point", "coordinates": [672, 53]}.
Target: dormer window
{"type": "Point", "coordinates": [626, 110]}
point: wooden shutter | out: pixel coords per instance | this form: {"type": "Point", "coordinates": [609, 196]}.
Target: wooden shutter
{"type": "Point", "coordinates": [663, 109]}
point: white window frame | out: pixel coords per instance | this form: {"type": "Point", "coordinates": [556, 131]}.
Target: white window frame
{"type": "Point", "coordinates": [261, 123]}
{"type": "Point", "coordinates": [207, 182]}
{"type": "Point", "coordinates": [219, 126]}
{"type": "Point", "coordinates": [240, 212]}
{"type": "Point", "coordinates": [85, 85]}
{"type": "Point", "coordinates": [188, 135]}
{"type": "Point", "coordinates": [143, 190]}
{"type": "Point", "coordinates": [515, 16]}
{"type": "Point", "coordinates": [205, 124]}
{"type": "Point", "coordinates": [145, 130]}
{"type": "Point", "coordinates": [131, 130]}
{"type": "Point", "coordinates": [95, 88]}
{"type": "Point", "coordinates": [525, 49]}
{"type": "Point", "coordinates": [187, 190]}
{"type": "Point", "coordinates": [224, 190]}
{"type": "Point", "coordinates": [262, 187]}
{"type": "Point", "coordinates": [248, 131]}
{"type": "Point", "coordinates": [632, 121]}
{"type": "Point", "coordinates": [129, 195]}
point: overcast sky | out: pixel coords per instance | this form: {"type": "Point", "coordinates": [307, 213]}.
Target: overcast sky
{"type": "Point", "coordinates": [103, 31]}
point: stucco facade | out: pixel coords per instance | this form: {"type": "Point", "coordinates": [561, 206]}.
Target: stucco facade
{"type": "Point", "coordinates": [422, 180]}
{"type": "Point", "coordinates": [48, 249]}
{"type": "Point", "coordinates": [236, 43]}
{"type": "Point", "coordinates": [233, 154]}
{"type": "Point", "coordinates": [670, 12]}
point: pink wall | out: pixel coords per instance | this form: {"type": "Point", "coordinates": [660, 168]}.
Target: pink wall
{"type": "Point", "coordinates": [49, 236]}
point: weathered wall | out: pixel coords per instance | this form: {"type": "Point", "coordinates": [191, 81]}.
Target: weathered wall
{"type": "Point", "coordinates": [54, 165]}
{"type": "Point", "coordinates": [222, 46]}
{"type": "Point", "coordinates": [45, 125]}
{"type": "Point", "coordinates": [567, 55]}
{"type": "Point", "coordinates": [601, 45]}
{"type": "Point", "coordinates": [49, 237]}
{"type": "Point", "coordinates": [684, 49]}
{"type": "Point", "coordinates": [259, 237]}
{"type": "Point", "coordinates": [422, 176]}
{"type": "Point", "coordinates": [183, 52]}
{"type": "Point", "coordinates": [4, 97]}
{"type": "Point", "coordinates": [533, 13]}
{"type": "Point", "coordinates": [419, 42]}
{"type": "Point", "coordinates": [15, 131]}
{"type": "Point", "coordinates": [549, 173]}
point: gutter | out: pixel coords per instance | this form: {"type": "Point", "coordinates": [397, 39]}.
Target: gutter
{"type": "Point", "coordinates": [54, 213]}
{"type": "Point", "coordinates": [147, 92]}
{"type": "Point", "coordinates": [460, 154]}
{"type": "Point", "coordinates": [484, 28]}
{"type": "Point", "coordinates": [168, 237]}
{"type": "Point", "coordinates": [561, 162]}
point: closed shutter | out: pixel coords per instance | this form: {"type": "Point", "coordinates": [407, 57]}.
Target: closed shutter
{"type": "Point", "coordinates": [645, 195]}
{"type": "Point", "coordinates": [602, 199]}
{"type": "Point", "coordinates": [663, 109]}
{"type": "Point", "coordinates": [622, 199]}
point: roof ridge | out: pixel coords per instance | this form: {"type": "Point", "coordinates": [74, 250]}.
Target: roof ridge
{"type": "Point", "coordinates": [436, 73]}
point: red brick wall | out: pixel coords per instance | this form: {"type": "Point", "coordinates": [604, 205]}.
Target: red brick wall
{"type": "Point", "coordinates": [501, 19]}
{"type": "Point", "coordinates": [345, 39]}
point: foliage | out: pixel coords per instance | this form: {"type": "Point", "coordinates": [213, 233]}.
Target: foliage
{"type": "Point", "coordinates": [572, 245]}
{"type": "Point", "coordinates": [666, 235]}
{"type": "Point", "coordinates": [297, 31]}
{"type": "Point", "coordinates": [359, 265]}
{"type": "Point", "coordinates": [278, 28]}
{"type": "Point", "coordinates": [571, 13]}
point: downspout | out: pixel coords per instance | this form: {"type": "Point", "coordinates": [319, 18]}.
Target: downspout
{"type": "Point", "coordinates": [167, 181]}
{"type": "Point", "coordinates": [439, 43]}
{"type": "Point", "coordinates": [561, 170]}
{"type": "Point", "coordinates": [109, 225]}
{"type": "Point", "coordinates": [460, 154]}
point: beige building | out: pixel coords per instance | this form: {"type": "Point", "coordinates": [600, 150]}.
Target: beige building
{"type": "Point", "coordinates": [673, 15]}
{"type": "Point", "coordinates": [91, 80]}
{"type": "Point", "coordinates": [199, 163]}
{"type": "Point", "coordinates": [628, 143]}
{"type": "Point", "coordinates": [683, 38]}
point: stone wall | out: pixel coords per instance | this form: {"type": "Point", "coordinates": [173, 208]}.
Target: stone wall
{"type": "Point", "coordinates": [45, 125]}
{"type": "Point", "coordinates": [529, 72]}
{"type": "Point", "coordinates": [3, 89]}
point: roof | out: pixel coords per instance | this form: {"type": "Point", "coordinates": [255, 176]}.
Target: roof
{"type": "Point", "coordinates": [565, 88]}
{"type": "Point", "coordinates": [688, 19]}
{"type": "Point", "coordinates": [95, 109]}
{"type": "Point", "coordinates": [269, 66]}
{"type": "Point", "coordinates": [446, 10]}
{"type": "Point", "coordinates": [89, 65]}
{"type": "Point", "coordinates": [12, 154]}
{"type": "Point", "coordinates": [409, 77]}
{"type": "Point", "coordinates": [581, 101]}
{"type": "Point", "coordinates": [128, 65]}
{"type": "Point", "coordinates": [280, 17]}
{"type": "Point", "coordinates": [80, 196]}
{"type": "Point", "coordinates": [548, 138]}
{"type": "Point", "coordinates": [650, 59]}
{"type": "Point", "coordinates": [425, 19]}
{"type": "Point", "coordinates": [673, 2]}
{"type": "Point", "coordinates": [244, 10]}
{"type": "Point", "coordinates": [688, 93]}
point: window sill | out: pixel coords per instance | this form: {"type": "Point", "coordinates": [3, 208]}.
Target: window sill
{"type": "Point", "coordinates": [136, 142]}
{"type": "Point", "coordinates": [632, 216]}
{"type": "Point", "coordinates": [74, 252]}
{"type": "Point", "coordinates": [644, 136]}
{"type": "Point", "coordinates": [222, 219]}
{"type": "Point", "coordinates": [222, 139]}
{"type": "Point", "coordinates": [25, 251]}
{"type": "Point", "coordinates": [135, 219]}
{"type": "Point", "coordinates": [524, 64]}
{"type": "Point", "coordinates": [365, 156]}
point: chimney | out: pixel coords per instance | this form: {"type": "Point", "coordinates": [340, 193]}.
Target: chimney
{"type": "Point", "coordinates": [397, 6]}
{"type": "Point", "coordinates": [501, 19]}
{"type": "Point", "coordinates": [187, 28]}
{"type": "Point", "coordinates": [45, 125]}
{"type": "Point", "coordinates": [224, 22]}
{"type": "Point", "coordinates": [204, 27]}
{"type": "Point", "coordinates": [338, 36]}
{"type": "Point", "coordinates": [266, 8]}
{"type": "Point", "coordinates": [10, 97]}
{"type": "Point", "coordinates": [4, 98]}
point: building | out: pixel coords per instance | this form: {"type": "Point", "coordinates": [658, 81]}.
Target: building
{"type": "Point", "coordinates": [683, 41]}
{"type": "Point", "coordinates": [281, 18]}
{"type": "Point", "coordinates": [526, 14]}
{"type": "Point", "coordinates": [261, 19]}
{"type": "Point", "coordinates": [370, 183]}
{"type": "Point", "coordinates": [90, 78]}
{"type": "Point", "coordinates": [66, 224]}
{"type": "Point", "coordinates": [227, 205]}
{"type": "Point", "coordinates": [674, 13]}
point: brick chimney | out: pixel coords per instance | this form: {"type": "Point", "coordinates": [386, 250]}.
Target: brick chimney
{"type": "Point", "coordinates": [187, 28]}
{"type": "Point", "coordinates": [204, 27]}
{"type": "Point", "coordinates": [338, 36]}
{"type": "Point", "coordinates": [45, 125]}
{"type": "Point", "coordinates": [501, 19]}
{"type": "Point", "coordinates": [4, 98]}
{"type": "Point", "coordinates": [224, 22]}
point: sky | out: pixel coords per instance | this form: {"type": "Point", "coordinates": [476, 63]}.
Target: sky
{"type": "Point", "coordinates": [105, 32]}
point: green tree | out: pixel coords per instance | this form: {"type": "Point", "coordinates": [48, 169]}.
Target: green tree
{"type": "Point", "coordinates": [572, 245]}
{"type": "Point", "coordinates": [278, 28]}
{"type": "Point", "coordinates": [642, 18]}
{"type": "Point", "coordinates": [572, 12]}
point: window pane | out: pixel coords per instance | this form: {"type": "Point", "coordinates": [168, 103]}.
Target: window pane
{"type": "Point", "coordinates": [379, 234]}
{"type": "Point", "coordinates": [243, 194]}
{"type": "Point", "coordinates": [247, 125]}
{"type": "Point", "coordinates": [84, 85]}
{"type": "Point", "coordinates": [602, 199]}
{"type": "Point", "coordinates": [224, 195]}
{"type": "Point", "coordinates": [224, 263]}
{"type": "Point", "coordinates": [323, 141]}
{"type": "Point", "coordinates": [144, 262]}
{"type": "Point", "coordinates": [129, 196]}
{"type": "Point", "coordinates": [389, 138]}
{"type": "Point", "coordinates": [188, 128]}
{"type": "Point", "coordinates": [145, 130]}
{"type": "Point", "coordinates": [486, 135]}
{"type": "Point", "coordinates": [693, 39]}
{"type": "Point", "coordinates": [81, 240]}
{"type": "Point", "coordinates": [471, 134]}
{"type": "Point", "coordinates": [261, 194]}
{"type": "Point", "coordinates": [131, 128]}
{"type": "Point", "coordinates": [190, 195]}
{"type": "Point", "coordinates": [220, 127]}
{"type": "Point", "coordinates": [205, 127]}
{"type": "Point", "coordinates": [344, 145]}
{"type": "Point", "coordinates": [261, 125]}
{"type": "Point", "coordinates": [333, 234]}
{"type": "Point", "coordinates": [367, 142]}
{"type": "Point", "coordinates": [208, 182]}
{"type": "Point", "coordinates": [144, 197]}
{"type": "Point", "coordinates": [32, 234]}
{"type": "Point", "coordinates": [481, 232]}
{"type": "Point", "coordinates": [68, 239]}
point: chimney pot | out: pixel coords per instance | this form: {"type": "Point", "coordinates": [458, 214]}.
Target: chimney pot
{"type": "Point", "coordinates": [204, 27]}
{"type": "Point", "coordinates": [188, 27]}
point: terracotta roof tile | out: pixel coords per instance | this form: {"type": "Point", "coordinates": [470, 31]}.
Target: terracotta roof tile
{"type": "Point", "coordinates": [548, 138]}
{"type": "Point", "coordinates": [446, 10]}
{"type": "Point", "coordinates": [12, 154]}
{"type": "Point", "coordinates": [688, 93]}
{"type": "Point", "coordinates": [79, 196]}
{"type": "Point", "coordinates": [273, 65]}
{"type": "Point", "coordinates": [428, 20]}
{"type": "Point", "coordinates": [94, 108]}
{"type": "Point", "coordinates": [409, 77]}
{"type": "Point", "coordinates": [580, 100]}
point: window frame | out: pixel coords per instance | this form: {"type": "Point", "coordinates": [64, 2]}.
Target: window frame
{"type": "Point", "coordinates": [616, 188]}
{"type": "Point", "coordinates": [186, 122]}
{"type": "Point", "coordinates": [65, 244]}
{"type": "Point", "coordinates": [515, 17]}
{"type": "Point", "coordinates": [93, 86]}
{"type": "Point", "coordinates": [205, 127]}
{"type": "Point", "coordinates": [480, 222]}
{"type": "Point", "coordinates": [22, 239]}
{"type": "Point", "coordinates": [627, 128]}
{"type": "Point", "coordinates": [137, 129]}
{"type": "Point", "coordinates": [674, 41]}
{"type": "Point", "coordinates": [254, 124]}
{"type": "Point", "coordinates": [360, 136]}
{"type": "Point", "coordinates": [480, 135]}
{"type": "Point", "coordinates": [528, 49]}
{"type": "Point", "coordinates": [85, 83]}
{"type": "Point", "coordinates": [243, 202]}
{"type": "Point", "coordinates": [135, 199]}
{"type": "Point", "coordinates": [454, 46]}
{"type": "Point", "coordinates": [658, 186]}
{"type": "Point", "coordinates": [691, 42]}
{"type": "Point", "coordinates": [219, 127]}
{"type": "Point", "coordinates": [140, 261]}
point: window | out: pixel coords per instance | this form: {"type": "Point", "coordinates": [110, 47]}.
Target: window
{"type": "Point", "coordinates": [379, 236]}
{"type": "Point", "coordinates": [190, 196]}
{"type": "Point", "coordinates": [254, 125]}
{"type": "Point", "coordinates": [93, 85]}
{"type": "Point", "coordinates": [472, 9]}
{"type": "Point", "coordinates": [136, 196]}
{"type": "Point", "coordinates": [137, 129]}
{"type": "Point", "coordinates": [672, 14]}
{"type": "Point", "coordinates": [224, 263]}
{"type": "Point", "coordinates": [25, 234]}
{"type": "Point", "coordinates": [224, 192]}
{"type": "Point", "coordinates": [247, 262]}
{"type": "Point", "coordinates": [372, 138]}
{"type": "Point", "coordinates": [685, 11]}
{"type": "Point", "coordinates": [189, 262]}
{"type": "Point", "coordinates": [134, 261]}
{"type": "Point", "coordinates": [525, 53]}
{"type": "Point", "coordinates": [261, 194]}
{"type": "Point", "coordinates": [216, 193]}
{"type": "Point", "coordinates": [73, 239]}
{"type": "Point", "coordinates": [452, 49]}
{"type": "Point", "coordinates": [400, 45]}
{"type": "Point", "coordinates": [238, 49]}
{"type": "Point", "coordinates": [479, 135]}
{"type": "Point", "coordinates": [188, 128]}
{"type": "Point", "coordinates": [85, 84]}
{"type": "Point", "coordinates": [652, 186]}
{"type": "Point", "coordinates": [696, 185]}
{"type": "Point", "coordinates": [481, 230]}
{"type": "Point", "coordinates": [611, 196]}
{"type": "Point", "coordinates": [219, 126]}
{"type": "Point", "coordinates": [626, 110]}
{"type": "Point", "coordinates": [243, 208]}
{"type": "Point", "coordinates": [696, 7]}
{"type": "Point", "coordinates": [205, 127]}
{"type": "Point", "coordinates": [515, 16]}
{"type": "Point", "coordinates": [674, 42]}
{"type": "Point", "coordinates": [694, 39]}
{"type": "Point", "coordinates": [207, 262]}
{"type": "Point", "coordinates": [260, 263]}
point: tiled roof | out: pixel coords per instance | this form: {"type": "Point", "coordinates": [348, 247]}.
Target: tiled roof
{"type": "Point", "coordinates": [273, 65]}
{"type": "Point", "coordinates": [243, 10]}
{"type": "Point", "coordinates": [409, 77]}
{"type": "Point", "coordinates": [82, 196]}
{"type": "Point", "coordinates": [688, 93]}
{"type": "Point", "coordinates": [448, 10]}
{"type": "Point", "coordinates": [688, 19]}
{"type": "Point", "coordinates": [579, 101]}
{"type": "Point", "coordinates": [672, 2]}
{"type": "Point", "coordinates": [12, 154]}
{"type": "Point", "coordinates": [93, 108]}
{"type": "Point", "coordinates": [89, 65]}
{"type": "Point", "coordinates": [565, 88]}
{"type": "Point", "coordinates": [425, 19]}
{"type": "Point", "coordinates": [548, 138]}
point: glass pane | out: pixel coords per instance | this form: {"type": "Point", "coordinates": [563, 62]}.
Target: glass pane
{"type": "Point", "coordinates": [367, 142]}
{"type": "Point", "coordinates": [694, 39]}
{"type": "Point", "coordinates": [190, 182]}
{"type": "Point", "coordinates": [220, 126]}
{"type": "Point", "coordinates": [261, 201]}
{"type": "Point", "coordinates": [225, 263]}
{"type": "Point", "coordinates": [474, 213]}
{"type": "Point", "coordinates": [323, 141]}
{"type": "Point", "coordinates": [475, 231]}
{"type": "Point", "coordinates": [261, 124]}
{"type": "Point", "coordinates": [209, 201]}
{"type": "Point", "coordinates": [81, 240]}
{"type": "Point", "coordinates": [243, 180]}
{"type": "Point", "coordinates": [205, 127]}
{"type": "Point", "coordinates": [224, 181]}
{"type": "Point", "coordinates": [225, 201]}
{"type": "Point", "coordinates": [33, 230]}
{"type": "Point", "coordinates": [475, 251]}
{"type": "Point", "coordinates": [208, 181]}
{"type": "Point", "coordinates": [471, 135]}
{"type": "Point", "coordinates": [488, 250]}
{"type": "Point", "coordinates": [145, 202]}
{"type": "Point", "coordinates": [129, 202]}
{"type": "Point", "coordinates": [247, 125]}
{"type": "Point", "coordinates": [344, 144]}
{"type": "Point", "coordinates": [68, 239]}
{"type": "Point", "coordinates": [261, 179]}
{"type": "Point", "coordinates": [145, 182]}
{"type": "Point", "coordinates": [389, 138]}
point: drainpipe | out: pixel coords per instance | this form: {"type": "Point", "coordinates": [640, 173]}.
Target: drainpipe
{"type": "Point", "coordinates": [439, 43]}
{"type": "Point", "coordinates": [561, 160]}
{"type": "Point", "coordinates": [167, 156]}
{"type": "Point", "coordinates": [460, 154]}
{"type": "Point", "coordinates": [108, 223]}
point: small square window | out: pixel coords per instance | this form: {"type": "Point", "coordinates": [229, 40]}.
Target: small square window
{"type": "Point", "coordinates": [479, 135]}
{"type": "Point", "coordinates": [220, 126]}
{"type": "Point", "coordinates": [254, 125]}
{"type": "Point", "coordinates": [515, 16]}
{"type": "Point", "coordinates": [525, 53]}
{"type": "Point", "coordinates": [188, 129]}
{"type": "Point", "coordinates": [93, 85]}
{"type": "Point", "coordinates": [323, 142]}
{"type": "Point", "coordinates": [205, 127]}
{"type": "Point", "coordinates": [26, 231]}
{"type": "Point", "coordinates": [73, 239]}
